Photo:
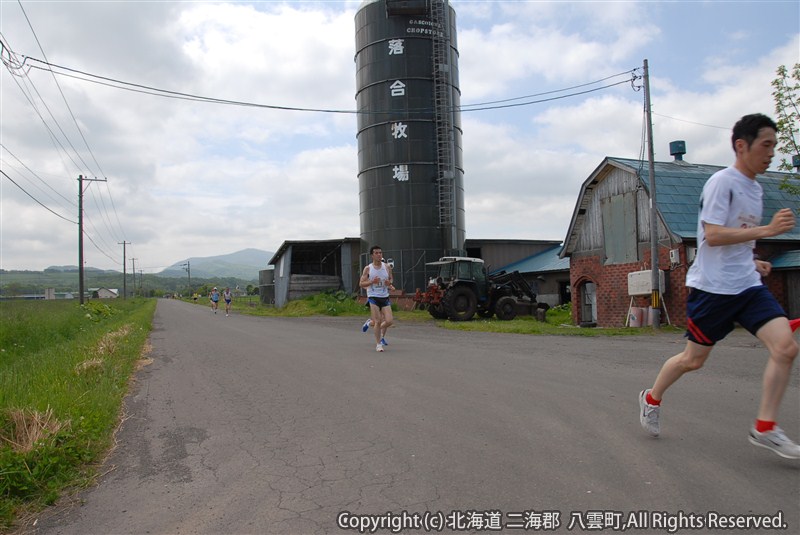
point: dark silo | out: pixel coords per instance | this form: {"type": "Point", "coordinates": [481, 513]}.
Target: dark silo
{"type": "Point", "coordinates": [410, 169]}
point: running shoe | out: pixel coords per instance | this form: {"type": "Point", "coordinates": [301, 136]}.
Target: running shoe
{"type": "Point", "coordinates": [777, 441]}
{"type": "Point", "coordinates": [379, 348]}
{"type": "Point", "coordinates": [365, 327]}
{"type": "Point", "coordinates": [648, 414]}
{"type": "Point", "coordinates": [383, 342]}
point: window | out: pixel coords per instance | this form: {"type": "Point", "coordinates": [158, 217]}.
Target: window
{"type": "Point", "coordinates": [619, 228]}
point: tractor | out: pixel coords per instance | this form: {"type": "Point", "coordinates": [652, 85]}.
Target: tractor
{"type": "Point", "coordinates": [462, 289]}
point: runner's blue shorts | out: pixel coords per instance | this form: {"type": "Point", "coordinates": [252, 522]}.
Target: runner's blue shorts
{"type": "Point", "coordinates": [379, 302]}
{"type": "Point", "coordinates": [710, 317]}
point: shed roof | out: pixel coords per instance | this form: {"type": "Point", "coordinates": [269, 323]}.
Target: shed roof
{"type": "Point", "coordinates": [678, 188]}
{"type": "Point", "coordinates": [786, 260]}
{"type": "Point", "coordinates": [308, 243]}
{"type": "Point", "coordinates": [543, 262]}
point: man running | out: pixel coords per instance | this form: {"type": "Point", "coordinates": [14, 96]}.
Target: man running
{"type": "Point", "coordinates": [214, 297]}
{"type": "Point", "coordinates": [377, 279]}
{"type": "Point", "coordinates": [726, 287]}
{"type": "Point", "coordinates": [228, 297]}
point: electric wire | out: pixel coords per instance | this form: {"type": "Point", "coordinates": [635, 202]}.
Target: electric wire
{"type": "Point", "coordinates": [53, 136]}
{"type": "Point", "coordinates": [103, 211]}
{"type": "Point", "coordinates": [690, 122]}
{"type": "Point", "coordinates": [629, 72]}
{"type": "Point", "coordinates": [43, 181]}
{"type": "Point", "coordinates": [66, 103]}
{"type": "Point", "coordinates": [34, 187]}
{"type": "Point", "coordinates": [37, 200]}
{"type": "Point", "coordinates": [103, 245]}
{"type": "Point", "coordinates": [149, 90]}
{"type": "Point", "coordinates": [20, 67]}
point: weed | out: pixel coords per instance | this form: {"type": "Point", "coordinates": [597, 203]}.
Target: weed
{"type": "Point", "coordinates": [63, 374]}
{"type": "Point", "coordinates": [28, 428]}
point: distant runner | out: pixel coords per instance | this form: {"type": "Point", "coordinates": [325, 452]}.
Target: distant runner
{"type": "Point", "coordinates": [228, 297]}
{"type": "Point", "coordinates": [377, 279]}
{"type": "Point", "coordinates": [214, 297]}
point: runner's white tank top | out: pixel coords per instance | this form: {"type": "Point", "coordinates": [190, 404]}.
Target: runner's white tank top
{"type": "Point", "coordinates": [381, 289]}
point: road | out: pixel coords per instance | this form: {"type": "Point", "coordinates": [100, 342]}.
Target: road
{"type": "Point", "coordinates": [278, 425]}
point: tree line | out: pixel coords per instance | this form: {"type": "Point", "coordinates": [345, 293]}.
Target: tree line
{"type": "Point", "coordinates": [30, 283]}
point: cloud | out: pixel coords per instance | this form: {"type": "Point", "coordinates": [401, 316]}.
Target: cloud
{"type": "Point", "coordinates": [189, 179]}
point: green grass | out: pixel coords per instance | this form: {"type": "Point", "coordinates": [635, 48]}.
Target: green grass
{"type": "Point", "coordinates": [558, 319]}
{"type": "Point", "coordinates": [558, 322]}
{"type": "Point", "coordinates": [64, 371]}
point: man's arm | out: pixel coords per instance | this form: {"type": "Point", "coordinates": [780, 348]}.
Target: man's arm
{"type": "Point", "coordinates": [716, 235]}
{"type": "Point", "coordinates": [390, 278]}
{"type": "Point", "coordinates": [365, 278]}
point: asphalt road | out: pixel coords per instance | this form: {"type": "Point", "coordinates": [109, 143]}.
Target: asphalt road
{"type": "Point", "coordinates": [279, 425]}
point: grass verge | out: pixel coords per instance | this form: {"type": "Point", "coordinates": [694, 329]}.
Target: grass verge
{"type": "Point", "coordinates": [559, 319]}
{"type": "Point", "coordinates": [64, 371]}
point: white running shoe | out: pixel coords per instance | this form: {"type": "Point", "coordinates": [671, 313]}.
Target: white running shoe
{"type": "Point", "coordinates": [365, 327]}
{"type": "Point", "coordinates": [379, 348]}
{"type": "Point", "coordinates": [777, 441]}
{"type": "Point", "coordinates": [648, 414]}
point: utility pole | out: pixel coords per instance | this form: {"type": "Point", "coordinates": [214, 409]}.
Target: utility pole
{"type": "Point", "coordinates": [133, 270]}
{"type": "Point", "coordinates": [655, 296]}
{"type": "Point", "coordinates": [81, 286]}
{"type": "Point", "coordinates": [124, 273]}
{"type": "Point", "coordinates": [188, 267]}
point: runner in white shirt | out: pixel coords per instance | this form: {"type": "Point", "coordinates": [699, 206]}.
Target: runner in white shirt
{"type": "Point", "coordinates": [726, 287]}
{"type": "Point", "coordinates": [377, 279]}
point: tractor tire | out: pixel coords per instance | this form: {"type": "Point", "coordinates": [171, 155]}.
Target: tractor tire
{"type": "Point", "coordinates": [506, 308]}
{"type": "Point", "coordinates": [437, 312]}
{"type": "Point", "coordinates": [460, 303]}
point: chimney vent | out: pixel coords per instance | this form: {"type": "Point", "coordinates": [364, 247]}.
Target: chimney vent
{"type": "Point", "coordinates": [677, 149]}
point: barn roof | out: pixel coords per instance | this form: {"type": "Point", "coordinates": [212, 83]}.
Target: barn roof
{"type": "Point", "coordinates": [678, 188]}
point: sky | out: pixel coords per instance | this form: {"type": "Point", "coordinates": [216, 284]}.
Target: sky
{"type": "Point", "coordinates": [187, 179]}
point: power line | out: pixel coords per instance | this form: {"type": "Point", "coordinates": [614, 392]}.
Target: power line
{"type": "Point", "coordinates": [29, 98]}
{"type": "Point", "coordinates": [36, 175]}
{"type": "Point", "coordinates": [13, 64]}
{"type": "Point", "coordinates": [77, 126]}
{"type": "Point", "coordinates": [630, 73]}
{"type": "Point", "coordinates": [691, 122]}
{"type": "Point", "coordinates": [37, 200]}
{"type": "Point", "coordinates": [165, 93]}
{"type": "Point", "coordinates": [550, 99]}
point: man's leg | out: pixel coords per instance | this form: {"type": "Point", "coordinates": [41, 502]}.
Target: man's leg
{"type": "Point", "coordinates": [375, 313]}
{"type": "Point", "coordinates": [691, 358]}
{"type": "Point", "coordinates": [777, 337]}
{"type": "Point", "coordinates": [388, 320]}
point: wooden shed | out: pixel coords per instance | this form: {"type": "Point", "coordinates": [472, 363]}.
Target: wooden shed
{"type": "Point", "coordinates": [609, 238]}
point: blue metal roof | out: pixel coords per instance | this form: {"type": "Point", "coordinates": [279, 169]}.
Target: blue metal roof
{"type": "Point", "coordinates": [680, 183]}
{"type": "Point", "coordinates": [542, 262]}
{"type": "Point", "coordinates": [785, 260]}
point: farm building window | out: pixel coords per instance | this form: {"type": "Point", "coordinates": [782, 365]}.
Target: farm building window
{"type": "Point", "coordinates": [619, 228]}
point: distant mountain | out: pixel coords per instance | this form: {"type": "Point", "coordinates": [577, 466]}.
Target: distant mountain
{"type": "Point", "coordinates": [244, 264]}
{"type": "Point", "coordinates": [74, 269]}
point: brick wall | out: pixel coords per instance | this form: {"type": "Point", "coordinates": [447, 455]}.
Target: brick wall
{"type": "Point", "coordinates": [611, 283]}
